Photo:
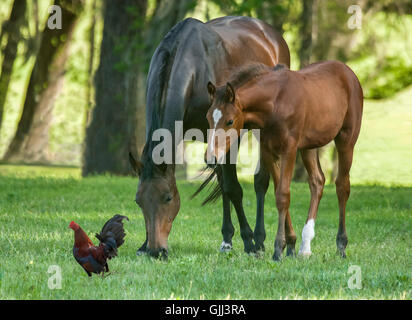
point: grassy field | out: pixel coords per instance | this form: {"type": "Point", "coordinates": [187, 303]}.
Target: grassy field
{"type": "Point", "coordinates": [37, 204]}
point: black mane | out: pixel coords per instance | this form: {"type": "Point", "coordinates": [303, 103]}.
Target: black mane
{"type": "Point", "coordinates": [157, 83]}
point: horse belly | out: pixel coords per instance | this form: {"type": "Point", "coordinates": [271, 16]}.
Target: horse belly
{"type": "Point", "coordinates": [322, 125]}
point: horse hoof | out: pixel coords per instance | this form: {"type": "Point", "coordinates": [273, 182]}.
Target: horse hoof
{"type": "Point", "coordinates": [251, 250]}
{"type": "Point", "coordinates": [342, 254]}
{"type": "Point", "coordinates": [305, 254]}
{"type": "Point", "coordinates": [226, 247]}
{"type": "Point", "coordinates": [291, 252]}
{"type": "Point", "coordinates": [140, 252]}
{"type": "Point", "coordinates": [277, 258]}
{"type": "Point", "coordinates": [260, 247]}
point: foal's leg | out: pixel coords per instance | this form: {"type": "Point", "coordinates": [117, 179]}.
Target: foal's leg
{"type": "Point", "coordinates": [287, 161]}
{"type": "Point", "coordinates": [233, 190]}
{"type": "Point", "coordinates": [316, 181]}
{"type": "Point", "coordinates": [227, 225]}
{"type": "Point", "coordinates": [345, 155]}
{"type": "Point", "coordinates": [290, 234]}
{"type": "Point", "coordinates": [261, 183]}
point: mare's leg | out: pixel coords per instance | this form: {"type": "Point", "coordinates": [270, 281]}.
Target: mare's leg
{"type": "Point", "coordinates": [316, 181]}
{"type": "Point", "coordinates": [233, 190]}
{"type": "Point", "coordinates": [287, 161]}
{"type": "Point", "coordinates": [261, 183]}
{"type": "Point", "coordinates": [227, 225]}
{"type": "Point", "coordinates": [345, 155]}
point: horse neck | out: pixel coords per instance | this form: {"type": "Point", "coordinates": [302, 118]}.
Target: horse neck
{"type": "Point", "coordinates": [256, 106]}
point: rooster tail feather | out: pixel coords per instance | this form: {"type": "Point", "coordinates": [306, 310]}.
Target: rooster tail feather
{"type": "Point", "coordinates": [112, 234]}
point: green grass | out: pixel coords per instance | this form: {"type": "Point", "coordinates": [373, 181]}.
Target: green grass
{"type": "Point", "coordinates": [37, 204]}
{"type": "Point", "coordinates": [383, 151]}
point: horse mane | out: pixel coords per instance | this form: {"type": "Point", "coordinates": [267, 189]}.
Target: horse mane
{"type": "Point", "coordinates": [159, 78]}
{"type": "Point", "coordinates": [244, 74]}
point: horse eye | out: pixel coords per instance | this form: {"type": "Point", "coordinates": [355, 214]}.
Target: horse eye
{"type": "Point", "coordinates": [168, 198]}
{"type": "Point", "coordinates": [229, 123]}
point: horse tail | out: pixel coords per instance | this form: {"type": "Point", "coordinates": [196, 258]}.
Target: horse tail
{"type": "Point", "coordinates": [214, 176]}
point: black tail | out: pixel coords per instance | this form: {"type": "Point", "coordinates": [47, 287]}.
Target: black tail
{"type": "Point", "coordinates": [217, 190]}
{"type": "Point", "coordinates": [112, 235]}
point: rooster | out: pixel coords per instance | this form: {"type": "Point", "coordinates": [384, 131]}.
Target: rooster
{"type": "Point", "coordinates": [93, 258]}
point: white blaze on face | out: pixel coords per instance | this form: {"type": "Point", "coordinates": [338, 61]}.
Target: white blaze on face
{"type": "Point", "coordinates": [217, 114]}
{"type": "Point", "coordinates": [308, 233]}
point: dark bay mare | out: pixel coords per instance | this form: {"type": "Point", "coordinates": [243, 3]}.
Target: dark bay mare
{"type": "Point", "coordinates": [294, 111]}
{"type": "Point", "coordinates": [192, 54]}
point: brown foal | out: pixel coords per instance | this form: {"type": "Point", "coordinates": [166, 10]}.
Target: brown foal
{"type": "Point", "coordinates": [294, 110]}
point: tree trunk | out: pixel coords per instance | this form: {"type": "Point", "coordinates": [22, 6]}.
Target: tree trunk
{"type": "Point", "coordinates": [274, 13]}
{"type": "Point", "coordinates": [110, 134]}
{"type": "Point", "coordinates": [11, 28]}
{"type": "Point", "coordinates": [117, 124]}
{"type": "Point", "coordinates": [89, 89]}
{"type": "Point", "coordinates": [30, 143]}
{"type": "Point", "coordinates": [305, 50]}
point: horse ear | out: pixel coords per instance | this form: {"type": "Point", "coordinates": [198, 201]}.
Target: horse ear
{"type": "Point", "coordinates": [137, 166]}
{"type": "Point", "coordinates": [211, 89]}
{"type": "Point", "coordinates": [230, 93]}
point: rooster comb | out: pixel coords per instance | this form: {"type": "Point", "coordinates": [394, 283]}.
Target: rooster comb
{"type": "Point", "coordinates": [73, 225]}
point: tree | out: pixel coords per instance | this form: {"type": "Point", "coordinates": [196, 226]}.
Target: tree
{"type": "Point", "coordinates": [30, 142]}
{"type": "Point", "coordinates": [275, 12]}
{"type": "Point", "coordinates": [117, 124]}
{"type": "Point", "coordinates": [11, 30]}
{"type": "Point", "coordinates": [305, 33]}
{"type": "Point", "coordinates": [305, 50]}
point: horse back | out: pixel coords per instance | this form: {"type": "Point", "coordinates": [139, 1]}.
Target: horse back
{"type": "Point", "coordinates": [333, 82]}
{"type": "Point", "coordinates": [321, 100]}
{"type": "Point", "coordinates": [252, 38]}
{"type": "Point", "coordinates": [194, 53]}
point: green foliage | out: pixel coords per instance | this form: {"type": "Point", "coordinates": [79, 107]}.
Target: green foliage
{"type": "Point", "coordinates": [39, 202]}
{"type": "Point", "coordinates": [392, 76]}
{"type": "Point", "coordinates": [379, 53]}
{"type": "Point", "coordinates": [383, 153]}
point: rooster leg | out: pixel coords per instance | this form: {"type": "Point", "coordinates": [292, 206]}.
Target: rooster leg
{"type": "Point", "coordinates": [106, 266]}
